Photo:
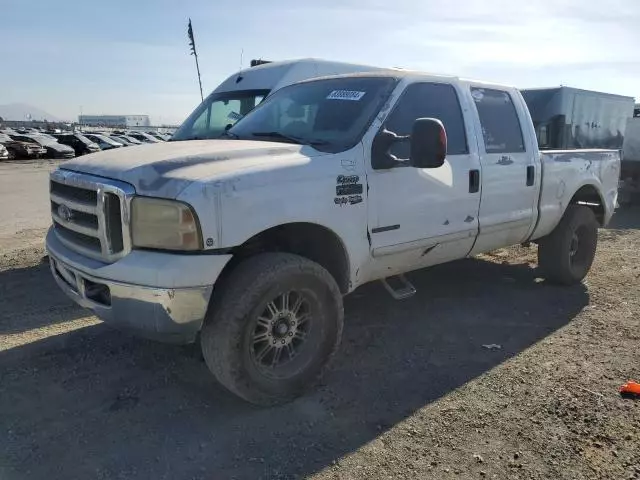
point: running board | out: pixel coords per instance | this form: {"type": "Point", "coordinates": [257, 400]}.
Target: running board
{"type": "Point", "coordinates": [404, 290]}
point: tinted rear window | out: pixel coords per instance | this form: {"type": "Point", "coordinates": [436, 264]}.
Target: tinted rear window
{"type": "Point", "coordinates": [499, 120]}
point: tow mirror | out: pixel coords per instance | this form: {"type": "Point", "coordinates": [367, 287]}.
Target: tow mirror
{"type": "Point", "coordinates": [428, 143]}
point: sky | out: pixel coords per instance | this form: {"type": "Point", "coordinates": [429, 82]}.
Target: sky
{"type": "Point", "coordinates": [132, 56]}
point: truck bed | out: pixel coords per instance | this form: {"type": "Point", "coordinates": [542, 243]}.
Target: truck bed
{"type": "Point", "coordinates": [567, 171]}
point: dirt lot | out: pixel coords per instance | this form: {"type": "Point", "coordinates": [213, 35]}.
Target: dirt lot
{"type": "Point", "coordinates": [412, 394]}
{"type": "Point", "coordinates": [22, 216]}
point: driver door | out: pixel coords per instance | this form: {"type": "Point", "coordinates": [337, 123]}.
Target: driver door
{"type": "Point", "coordinates": [420, 217]}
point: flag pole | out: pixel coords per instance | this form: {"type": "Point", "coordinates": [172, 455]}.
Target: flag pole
{"type": "Point", "coordinates": [192, 44]}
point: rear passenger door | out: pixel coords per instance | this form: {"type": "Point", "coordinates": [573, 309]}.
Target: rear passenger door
{"type": "Point", "coordinates": [509, 180]}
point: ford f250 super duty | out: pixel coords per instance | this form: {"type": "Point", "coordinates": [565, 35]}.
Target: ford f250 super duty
{"type": "Point", "coordinates": [249, 242]}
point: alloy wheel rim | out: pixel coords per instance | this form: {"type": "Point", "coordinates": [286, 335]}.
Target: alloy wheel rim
{"type": "Point", "coordinates": [281, 332]}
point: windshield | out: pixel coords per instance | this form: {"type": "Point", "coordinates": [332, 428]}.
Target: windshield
{"type": "Point", "coordinates": [218, 112]}
{"type": "Point", "coordinates": [331, 115]}
{"type": "Point", "coordinates": [83, 139]}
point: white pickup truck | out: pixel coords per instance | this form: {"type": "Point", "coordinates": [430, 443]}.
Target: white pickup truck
{"type": "Point", "coordinates": [252, 239]}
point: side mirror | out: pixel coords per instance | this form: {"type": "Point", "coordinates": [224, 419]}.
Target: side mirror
{"type": "Point", "coordinates": [428, 143]}
{"type": "Point", "coordinates": [380, 157]}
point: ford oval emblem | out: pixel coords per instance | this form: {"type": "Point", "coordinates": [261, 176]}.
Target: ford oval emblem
{"type": "Point", "coordinates": [65, 213]}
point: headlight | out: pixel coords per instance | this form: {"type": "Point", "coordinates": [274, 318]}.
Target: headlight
{"type": "Point", "coordinates": [164, 224]}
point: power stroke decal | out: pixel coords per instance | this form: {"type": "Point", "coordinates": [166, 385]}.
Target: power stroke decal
{"type": "Point", "coordinates": [348, 190]}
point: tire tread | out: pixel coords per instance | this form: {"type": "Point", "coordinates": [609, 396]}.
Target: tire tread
{"type": "Point", "coordinates": [222, 333]}
{"type": "Point", "coordinates": [551, 249]}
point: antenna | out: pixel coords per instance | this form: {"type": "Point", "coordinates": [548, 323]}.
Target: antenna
{"type": "Point", "coordinates": [239, 77]}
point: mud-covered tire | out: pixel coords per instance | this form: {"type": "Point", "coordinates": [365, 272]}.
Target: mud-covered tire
{"type": "Point", "coordinates": [566, 254]}
{"type": "Point", "coordinates": [245, 303]}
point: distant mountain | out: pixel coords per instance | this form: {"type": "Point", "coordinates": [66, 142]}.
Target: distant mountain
{"type": "Point", "coordinates": [23, 111]}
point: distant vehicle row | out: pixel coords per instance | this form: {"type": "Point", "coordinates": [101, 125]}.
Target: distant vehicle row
{"type": "Point", "coordinates": [34, 143]}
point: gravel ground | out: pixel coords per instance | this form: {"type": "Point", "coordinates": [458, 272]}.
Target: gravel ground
{"type": "Point", "coordinates": [22, 218]}
{"type": "Point", "coordinates": [412, 394]}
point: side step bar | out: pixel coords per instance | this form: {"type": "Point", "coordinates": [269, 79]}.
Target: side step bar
{"type": "Point", "coordinates": [402, 287]}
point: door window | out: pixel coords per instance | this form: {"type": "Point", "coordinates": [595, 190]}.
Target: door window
{"type": "Point", "coordinates": [499, 121]}
{"type": "Point", "coordinates": [428, 100]}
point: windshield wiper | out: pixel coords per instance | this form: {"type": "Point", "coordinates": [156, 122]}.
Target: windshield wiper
{"type": "Point", "coordinates": [318, 142]}
{"type": "Point", "coordinates": [291, 138]}
{"type": "Point", "coordinates": [278, 135]}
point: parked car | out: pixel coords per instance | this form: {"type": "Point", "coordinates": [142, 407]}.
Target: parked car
{"type": "Point", "coordinates": [4, 153]}
{"type": "Point", "coordinates": [130, 139]}
{"type": "Point", "coordinates": [143, 137]}
{"type": "Point", "coordinates": [53, 149]}
{"type": "Point", "coordinates": [104, 142]}
{"type": "Point", "coordinates": [119, 139]}
{"type": "Point", "coordinates": [157, 136]}
{"type": "Point", "coordinates": [125, 136]}
{"type": "Point", "coordinates": [21, 150]}
{"type": "Point", "coordinates": [124, 140]}
{"type": "Point", "coordinates": [80, 144]}
{"type": "Point", "coordinates": [385, 173]}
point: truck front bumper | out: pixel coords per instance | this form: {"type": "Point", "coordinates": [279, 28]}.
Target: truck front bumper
{"type": "Point", "coordinates": [160, 312]}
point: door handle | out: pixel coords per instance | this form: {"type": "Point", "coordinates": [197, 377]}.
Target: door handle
{"type": "Point", "coordinates": [474, 181]}
{"type": "Point", "coordinates": [531, 175]}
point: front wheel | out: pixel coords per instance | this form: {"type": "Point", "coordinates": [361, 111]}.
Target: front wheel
{"type": "Point", "coordinates": [273, 327]}
{"type": "Point", "coordinates": [566, 254]}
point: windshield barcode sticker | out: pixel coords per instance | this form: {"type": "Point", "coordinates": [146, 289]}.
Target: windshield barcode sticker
{"type": "Point", "coordinates": [352, 95]}
{"type": "Point", "coordinates": [234, 116]}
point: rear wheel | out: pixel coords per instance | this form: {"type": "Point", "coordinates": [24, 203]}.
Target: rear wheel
{"type": "Point", "coordinates": [273, 328]}
{"type": "Point", "coordinates": [566, 254]}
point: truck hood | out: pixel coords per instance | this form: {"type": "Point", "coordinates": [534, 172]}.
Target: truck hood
{"type": "Point", "coordinates": [165, 169]}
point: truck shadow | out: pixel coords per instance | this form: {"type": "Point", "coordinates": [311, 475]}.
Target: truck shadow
{"type": "Point", "coordinates": [31, 299]}
{"type": "Point", "coordinates": [626, 218]}
{"type": "Point", "coordinates": [108, 405]}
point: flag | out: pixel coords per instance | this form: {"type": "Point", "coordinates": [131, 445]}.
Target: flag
{"type": "Point", "coordinates": [192, 42]}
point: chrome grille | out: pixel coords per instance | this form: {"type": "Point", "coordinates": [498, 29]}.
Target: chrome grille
{"type": "Point", "coordinates": [91, 214]}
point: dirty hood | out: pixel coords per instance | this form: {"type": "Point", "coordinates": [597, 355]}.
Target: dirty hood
{"type": "Point", "coordinates": [167, 168]}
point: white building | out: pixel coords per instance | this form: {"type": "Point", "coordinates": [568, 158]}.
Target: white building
{"type": "Point", "coordinates": [114, 120]}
